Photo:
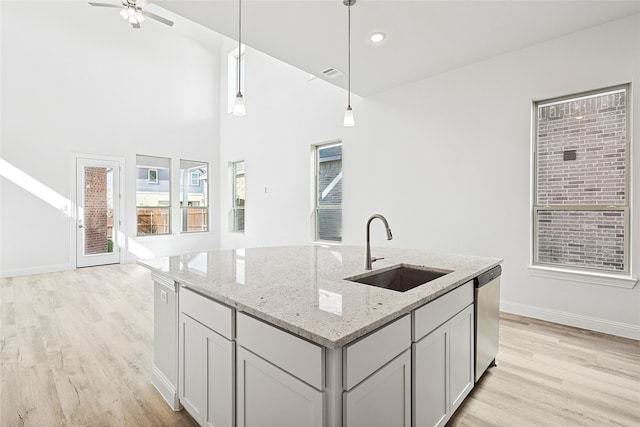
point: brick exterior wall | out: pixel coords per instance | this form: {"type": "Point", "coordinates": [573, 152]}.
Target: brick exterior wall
{"type": "Point", "coordinates": [581, 160]}
{"type": "Point", "coordinates": [95, 213]}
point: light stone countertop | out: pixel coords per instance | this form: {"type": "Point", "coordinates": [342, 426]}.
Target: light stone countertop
{"type": "Point", "coordinates": [301, 289]}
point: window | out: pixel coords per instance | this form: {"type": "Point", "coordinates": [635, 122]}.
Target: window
{"type": "Point", "coordinates": [153, 195]}
{"type": "Point", "coordinates": [232, 76]}
{"type": "Point", "coordinates": [328, 200]}
{"type": "Point", "coordinates": [238, 191]}
{"type": "Point", "coordinates": [152, 177]}
{"type": "Point", "coordinates": [195, 178]}
{"type": "Point", "coordinates": [581, 182]}
{"type": "Point", "coordinates": [194, 196]}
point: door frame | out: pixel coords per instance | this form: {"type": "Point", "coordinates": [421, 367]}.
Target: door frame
{"type": "Point", "coordinates": [73, 229]}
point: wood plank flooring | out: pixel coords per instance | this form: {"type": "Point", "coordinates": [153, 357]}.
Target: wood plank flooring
{"type": "Point", "coordinates": [76, 350]}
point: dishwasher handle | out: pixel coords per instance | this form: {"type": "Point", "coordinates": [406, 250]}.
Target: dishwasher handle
{"type": "Point", "coordinates": [487, 276]}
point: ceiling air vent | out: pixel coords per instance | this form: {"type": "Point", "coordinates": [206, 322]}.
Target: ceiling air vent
{"type": "Point", "coordinates": [332, 72]}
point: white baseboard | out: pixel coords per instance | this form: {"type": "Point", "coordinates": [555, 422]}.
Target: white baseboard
{"type": "Point", "coordinates": [570, 319]}
{"type": "Point", "coordinates": [36, 270]}
{"type": "Point", "coordinates": [165, 388]}
{"type": "Point", "coordinates": [129, 259]}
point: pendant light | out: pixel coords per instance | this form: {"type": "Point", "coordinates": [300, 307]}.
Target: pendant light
{"type": "Point", "coordinates": [239, 109]}
{"type": "Point", "coordinates": [349, 120]}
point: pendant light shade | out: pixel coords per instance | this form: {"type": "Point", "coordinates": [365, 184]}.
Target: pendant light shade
{"type": "Point", "coordinates": [239, 108]}
{"type": "Point", "coordinates": [349, 120]}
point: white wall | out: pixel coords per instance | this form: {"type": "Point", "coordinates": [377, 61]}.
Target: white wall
{"type": "Point", "coordinates": [446, 160]}
{"type": "Point", "coordinates": [77, 79]}
{"type": "Point", "coordinates": [459, 149]}
{"type": "Point", "coordinates": [286, 115]}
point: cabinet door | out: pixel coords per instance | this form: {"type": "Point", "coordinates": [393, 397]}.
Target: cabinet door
{"type": "Point", "coordinates": [383, 399]}
{"type": "Point", "coordinates": [431, 378]}
{"type": "Point", "coordinates": [219, 380]}
{"type": "Point", "coordinates": [191, 366]}
{"type": "Point", "coordinates": [461, 376]}
{"type": "Point", "coordinates": [270, 397]}
{"type": "Point", "coordinates": [164, 375]}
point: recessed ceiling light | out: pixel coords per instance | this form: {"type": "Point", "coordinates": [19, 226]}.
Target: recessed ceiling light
{"type": "Point", "coordinates": [377, 37]}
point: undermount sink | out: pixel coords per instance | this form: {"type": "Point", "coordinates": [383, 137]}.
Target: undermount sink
{"type": "Point", "coordinates": [400, 278]}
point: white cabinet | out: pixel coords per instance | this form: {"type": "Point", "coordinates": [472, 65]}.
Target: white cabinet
{"type": "Point", "coordinates": [383, 399]}
{"type": "Point", "coordinates": [270, 397]}
{"type": "Point", "coordinates": [280, 377]}
{"type": "Point", "coordinates": [443, 370]}
{"type": "Point", "coordinates": [164, 374]}
{"type": "Point", "coordinates": [377, 377]}
{"type": "Point", "coordinates": [431, 378]}
{"type": "Point", "coordinates": [461, 351]}
{"type": "Point", "coordinates": [206, 360]}
{"type": "Point", "coordinates": [191, 366]}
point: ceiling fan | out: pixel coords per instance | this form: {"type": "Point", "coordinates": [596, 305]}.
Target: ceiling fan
{"type": "Point", "coordinates": [133, 11]}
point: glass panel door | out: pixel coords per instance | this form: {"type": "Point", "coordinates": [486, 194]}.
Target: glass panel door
{"type": "Point", "coordinates": [97, 199]}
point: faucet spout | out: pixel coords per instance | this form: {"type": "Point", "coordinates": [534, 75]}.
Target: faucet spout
{"type": "Point", "coordinates": [369, 259]}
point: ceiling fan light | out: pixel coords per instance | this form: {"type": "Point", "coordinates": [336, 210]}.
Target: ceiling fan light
{"type": "Point", "coordinates": [239, 109]}
{"type": "Point", "coordinates": [140, 17]}
{"type": "Point", "coordinates": [131, 11]}
{"type": "Point", "coordinates": [133, 20]}
{"type": "Point", "coordinates": [349, 120]}
{"type": "Point", "coordinates": [124, 14]}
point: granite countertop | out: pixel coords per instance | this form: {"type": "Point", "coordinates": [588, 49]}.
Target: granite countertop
{"type": "Point", "coordinates": [302, 289]}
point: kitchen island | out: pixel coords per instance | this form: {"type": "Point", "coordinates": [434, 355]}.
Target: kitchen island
{"type": "Point", "coordinates": [277, 336]}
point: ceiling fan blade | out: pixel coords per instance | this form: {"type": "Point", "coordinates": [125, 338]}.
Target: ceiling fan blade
{"type": "Point", "coordinates": [119, 6]}
{"type": "Point", "coordinates": [157, 18]}
{"type": "Point", "coordinates": [136, 25]}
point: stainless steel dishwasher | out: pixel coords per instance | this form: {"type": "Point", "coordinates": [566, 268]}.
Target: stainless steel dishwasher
{"type": "Point", "coordinates": [487, 313]}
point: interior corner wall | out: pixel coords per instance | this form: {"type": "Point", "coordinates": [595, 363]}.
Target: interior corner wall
{"type": "Point", "coordinates": [77, 79]}
{"type": "Point", "coordinates": [287, 113]}
{"type": "Point", "coordinates": [447, 161]}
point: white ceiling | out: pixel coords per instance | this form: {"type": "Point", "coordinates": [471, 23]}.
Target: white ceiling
{"type": "Point", "coordinates": [424, 38]}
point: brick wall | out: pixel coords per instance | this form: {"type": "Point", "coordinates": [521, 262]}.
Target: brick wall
{"type": "Point", "coordinates": [581, 160]}
{"type": "Point", "coordinates": [95, 213]}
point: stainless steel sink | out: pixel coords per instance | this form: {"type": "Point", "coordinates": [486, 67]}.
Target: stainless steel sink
{"type": "Point", "coordinates": [400, 278]}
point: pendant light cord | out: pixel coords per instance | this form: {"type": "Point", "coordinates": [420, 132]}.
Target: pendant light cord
{"type": "Point", "coordinates": [239, 41]}
{"type": "Point", "coordinates": [349, 58]}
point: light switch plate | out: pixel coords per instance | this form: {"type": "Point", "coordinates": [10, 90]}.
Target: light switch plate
{"type": "Point", "coordinates": [163, 296]}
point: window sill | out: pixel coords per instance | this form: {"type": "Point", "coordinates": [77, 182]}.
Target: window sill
{"type": "Point", "coordinates": [325, 243]}
{"type": "Point", "coordinates": [603, 279]}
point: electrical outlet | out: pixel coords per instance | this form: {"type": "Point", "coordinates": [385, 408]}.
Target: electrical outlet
{"type": "Point", "coordinates": [163, 296]}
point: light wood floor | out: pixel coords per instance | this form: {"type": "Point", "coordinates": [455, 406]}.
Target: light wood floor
{"type": "Point", "coordinates": [76, 349]}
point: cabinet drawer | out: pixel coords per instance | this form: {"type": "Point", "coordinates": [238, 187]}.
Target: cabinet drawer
{"type": "Point", "coordinates": [300, 358]}
{"type": "Point", "coordinates": [212, 314]}
{"type": "Point", "coordinates": [435, 313]}
{"type": "Point", "coordinates": [370, 353]}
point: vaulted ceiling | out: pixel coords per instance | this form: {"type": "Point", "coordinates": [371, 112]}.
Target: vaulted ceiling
{"type": "Point", "coordinates": [424, 38]}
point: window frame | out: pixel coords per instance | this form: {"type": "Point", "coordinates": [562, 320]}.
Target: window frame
{"type": "Point", "coordinates": [234, 206]}
{"type": "Point", "coordinates": [602, 207]}
{"type": "Point", "coordinates": [194, 182]}
{"type": "Point", "coordinates": [316, 188]}
{"type": "Point", "coordinates": [140, 160]}
{"type": "Point", "coordinates": [233, 61]}
{"type": "Point", "coordinates": [184, 186]}
{"type": "Point", "coordinates": [153, 180]}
